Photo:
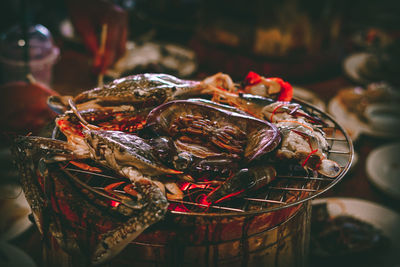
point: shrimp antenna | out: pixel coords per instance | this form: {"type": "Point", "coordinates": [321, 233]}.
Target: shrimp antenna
{"type": "Point", "coordinates": [83, 122]}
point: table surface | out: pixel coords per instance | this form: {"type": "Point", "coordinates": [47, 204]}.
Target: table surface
{"type": "Point", "coordinates": [72, 74]}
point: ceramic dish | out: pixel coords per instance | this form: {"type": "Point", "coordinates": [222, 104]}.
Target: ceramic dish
{"type": "Point", "coordinates": [352, 65]}
{"type": "Point", "coordinates": [382, 218]}
{"type": "Point", "coordinates": [348, 120]}
{"type": "Point", "coordinates": [383, 169]}
{"type": "Point", "coordinates": [384, 117]}
{"type": "Point", "coordinates": [12, 256]}
{"type": "Point", "coordinates": [15, 210]}
{"type": "Point", "coordinates": [354, 125]}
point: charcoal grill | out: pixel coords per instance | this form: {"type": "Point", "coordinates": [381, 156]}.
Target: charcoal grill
{"type": "Point", "coordinates": [270, 226]}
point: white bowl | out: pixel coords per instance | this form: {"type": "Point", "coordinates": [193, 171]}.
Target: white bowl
{"type": "Point", "coordinates": [385, 117]}
{"type": "Point", "coordinates": [383, 169]}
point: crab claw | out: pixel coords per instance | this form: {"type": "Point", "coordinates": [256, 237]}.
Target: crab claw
{"type": "Point", "coordinates": [286, 93]}
{"type": "Point", "coordinates": [245, 180]}
{"type": "Point", "coordinates": [259, 85]}
{"type": "Point", "coordinates": [112, 242]}
{"type": "Point", "coordinates": [58, 104]}
{"type": "Point", "coordinates": [329, 168]}
{"type": "Point", "coordinates": [124, 198]}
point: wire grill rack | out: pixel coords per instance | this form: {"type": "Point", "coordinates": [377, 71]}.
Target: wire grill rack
{"type": "Point", "coordinates": [292, 186]}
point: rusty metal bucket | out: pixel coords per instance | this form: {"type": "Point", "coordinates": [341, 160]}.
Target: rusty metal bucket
{"type": "Point", "coordinates": [278, 238]}
{"type": "Point", "coordinates": [271, 228]}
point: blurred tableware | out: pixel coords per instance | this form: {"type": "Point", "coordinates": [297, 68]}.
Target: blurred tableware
{"type": "Point", "coordinates": [378, 216]}
{"type": "Point", "coordinates": [384, 117]}
{"type": "Point", "coordinates": [348, 120]}
{"type": "Point", "coordinates": [42, 54]}
{"type": "Point", "coordinates": [15, 210]}
{"type": "Point", "coordinates": [8, 172]}
{"type": "Point", "coordinates": [23, 107]}
{"type": "Point", "coordinates": [309, 97]}
{"type": "Point", "coordinates": [154, 57]}
{"type": "Point", "coordinates": [383, 169]}
{"type": "Point", "coordinates": [380, 64]}
{"type": "Point", "coordinates": [355, 125]}
{"type": "Point", "coordinates": [11, 256]}
{"type": "Point", "coordinates": [352, 65]}
{"type": "Point", "coordinates": [295, 40]}
{"type": "Point", "coordinates": [372, 37]}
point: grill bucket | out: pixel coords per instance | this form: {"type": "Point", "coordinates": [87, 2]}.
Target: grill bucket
{"type": "Point", "coordinates": [269, 228]}
{"type": "Point", "coordinates": [278, 238]}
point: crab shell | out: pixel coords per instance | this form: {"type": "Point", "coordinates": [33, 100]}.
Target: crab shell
{"type": "Point", "coordinates": [262, 136]}
{"type": "Point", "coordinates": [131, 92]}
{"type": "Point", "coordinates": [143, 89]}
{"type": "Point", "coordinates": [117, 150]}
{"type": "Point", "coordinates": [74, 219]}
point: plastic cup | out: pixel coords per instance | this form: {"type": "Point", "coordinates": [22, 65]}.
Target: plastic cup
{"type": "Point", "coordinates": [42, 55]}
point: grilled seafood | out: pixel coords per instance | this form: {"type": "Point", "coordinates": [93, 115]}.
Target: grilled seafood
{"type": "Point", "coordinates": [132, 92]}
{"type": "Point", "coordinates": [302, 143]}
{"type": "Point", "coordinates": [224, 129]}
{"type": "Point", "coordinates": [254, 84]}
{"type": "Point", "coordinates": [301, 138]}
{"type": "Point", "coordinates": [268, 87]}
{"type": "Point", "coordinates": [143, 153]}
{"type": "Point", "coordinates": [280, 111]}
{"type": "Point", "coordinates": [129, 155]}
{"type": "Point", "coordinates": [213, 138]}
{"type": "Point", "coordinates": [150, 200]}
{"type": "Point", "coordinates": [70, 124]}
{"type": "Point", "coordinates": [246, 179]}
{"type": "Point", "coordinates": [221, 146]}
{"type": "Point", "coordinates": [249, 103]}
{"type": "Point", "coordinates": [107, 119]}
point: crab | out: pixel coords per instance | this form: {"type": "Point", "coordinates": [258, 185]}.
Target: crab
{"type": "Point", "coordinates": [212, 138]}
{"type": "Point", "coordinates": [239, 135]}
{"type": "Point", "coordinates": [133, 92]}
{"type": "Point", "coordinates": [124, 153]}
{"type": "Point", "coordinates": [302, 137]}
{"type": "Point", "coordinates": [61, 210]}
{"type": "Point", "coordinates": [139, 128]}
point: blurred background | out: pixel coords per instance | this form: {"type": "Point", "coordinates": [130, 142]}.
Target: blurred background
{"type": "Point", "coordinates": [300, 40]}
{"type": "Point", "coordinates": [341, 56]}
{"type": "Point", "coordinates": [303, 41]}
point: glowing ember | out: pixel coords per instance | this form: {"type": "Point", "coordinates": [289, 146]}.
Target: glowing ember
{"type": "Point", "coordinates": [114, 203]}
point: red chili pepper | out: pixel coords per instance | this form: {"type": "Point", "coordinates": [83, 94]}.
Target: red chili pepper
{"type": "Point", "coordinates": [319, 163]}
{"type": "Point", "coordinates": [252, 78]}
{"type": "Point", "coordinates": [308, 157]}
{"type": "Point", "coordinates": [286, 93]}
{"type": "Point", "coordinates": [274, 111]}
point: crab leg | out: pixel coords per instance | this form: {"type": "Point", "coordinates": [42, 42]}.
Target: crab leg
{"type": "Point", "coordinates": [117, 239]}
{"type": "Point", "coordinates": [128, 201]}
{"type": "Point", "coordinates": [243, 181]}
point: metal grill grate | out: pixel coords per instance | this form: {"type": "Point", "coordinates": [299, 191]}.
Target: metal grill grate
{"type": "Point", "coordinates": [291, 187]}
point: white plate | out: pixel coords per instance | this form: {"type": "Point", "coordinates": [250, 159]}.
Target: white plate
{"type": "Point", "coordinates": [349, 121]}
{"type": "Point", "coordinates": [15, 210]}
{"type": "Point", "coordinates": [353, 125]}
{"type": "Point", "coordinates": [382, 218]}
{"type": "Point", "coordinates": [12, 256]}
{"type": "Point", "coordinates": [383, 169]}
{"type": "Point", "coordinates": [352, 65]}
{"type": "Point", "coordinates": [308, 96]}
